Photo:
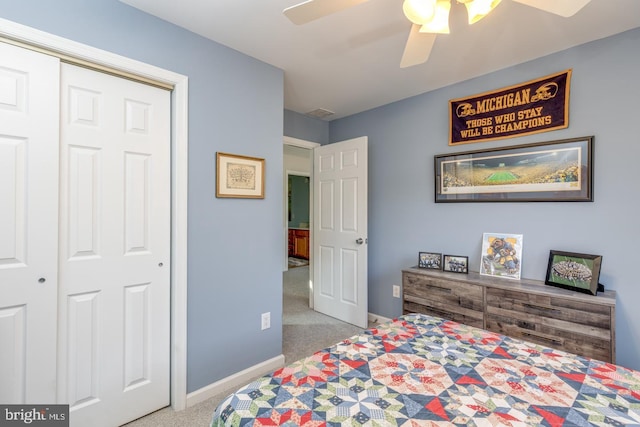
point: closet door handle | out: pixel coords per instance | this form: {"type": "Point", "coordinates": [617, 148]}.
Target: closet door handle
{"type": "Point", "coordinates": [42, 280]}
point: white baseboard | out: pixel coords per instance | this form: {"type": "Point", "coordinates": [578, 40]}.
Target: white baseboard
{"type": "Point", "coordinates": [241, 378]}
{"type": "Point", "coordinates": [236, 380]}
{"type": "Point", "coordinates": [377, 319]}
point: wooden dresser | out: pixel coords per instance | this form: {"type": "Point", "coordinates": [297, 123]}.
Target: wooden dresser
{"type": "Point", "coordinates": [525, 309]}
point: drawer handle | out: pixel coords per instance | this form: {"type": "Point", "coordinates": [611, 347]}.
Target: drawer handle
{"type": "Point", "coordinates": [539, 307]}
{"type": "Point", "coordinates": [439, 289]}
{"type": "Point", "coordinates": [544, 338]}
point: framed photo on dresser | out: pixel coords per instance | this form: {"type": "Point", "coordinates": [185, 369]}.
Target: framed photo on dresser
{"type": "Point", "coordinates": [574, 271]}
{"type": "Point", "coordinates": [455, 264]}
{"type": "Point", "coordinates": [430, 260]}
{"type": "Point", "coordinates": [501, 255]}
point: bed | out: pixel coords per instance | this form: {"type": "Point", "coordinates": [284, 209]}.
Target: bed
{"type": "Point", "coordinates": [419, 370]}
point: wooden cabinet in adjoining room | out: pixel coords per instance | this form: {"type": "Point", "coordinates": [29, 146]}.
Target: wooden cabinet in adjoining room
{"type": "Point", "coordinates": [299, 243]}
{"type": "Point", "coordinates": [291, 234]}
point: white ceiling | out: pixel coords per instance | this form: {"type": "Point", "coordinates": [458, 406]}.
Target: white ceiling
{"type": "Point", "coordinates": [349, 62]}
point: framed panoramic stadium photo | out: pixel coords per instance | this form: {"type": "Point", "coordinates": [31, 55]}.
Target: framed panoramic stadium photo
{"type": "Point", "coordinates": [542, 172]}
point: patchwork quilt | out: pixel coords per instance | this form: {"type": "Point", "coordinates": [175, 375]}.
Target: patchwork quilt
{"type": "Point", "coordinates": [419, 370]}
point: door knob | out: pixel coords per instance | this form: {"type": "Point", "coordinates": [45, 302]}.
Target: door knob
{"type": "Point", "coordinates": [360, 241]}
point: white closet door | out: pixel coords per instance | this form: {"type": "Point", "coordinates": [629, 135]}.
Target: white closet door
{"type": "Point", "coordinates": [29, 108]}
{"type": "Point", "coordinates": [114, 248]}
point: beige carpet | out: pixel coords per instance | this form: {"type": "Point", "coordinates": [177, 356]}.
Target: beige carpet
{"type": "Point", "coordinates": [304, 332]}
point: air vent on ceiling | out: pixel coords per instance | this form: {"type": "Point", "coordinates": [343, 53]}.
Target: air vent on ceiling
{"type": "Point", "coordinates": [320, 113]}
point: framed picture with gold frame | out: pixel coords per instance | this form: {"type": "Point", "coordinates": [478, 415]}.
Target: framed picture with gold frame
{"type": "Point", "coordinates": [239, 176]}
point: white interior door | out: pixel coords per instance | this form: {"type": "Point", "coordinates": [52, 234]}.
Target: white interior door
{"type": "Point", "coordinates": [114, 248]}
{"type": "Point", "coordinates": [29, 105]}
{"type": "Point", "coordinates": [340, 231]}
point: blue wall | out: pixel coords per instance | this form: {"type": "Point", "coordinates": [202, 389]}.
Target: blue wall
{"type": "Point", "coordinates": [234, 258]}
{"type": "Point", "coordinates": [299, 126]}
{"type": "Point", "coordinates": [403, 218]}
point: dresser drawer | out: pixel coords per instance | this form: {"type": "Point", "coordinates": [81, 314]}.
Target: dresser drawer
{"type": "Point", "coordinates": [461, 302]}
{"type": "Point", "coordinates": [561, 323]}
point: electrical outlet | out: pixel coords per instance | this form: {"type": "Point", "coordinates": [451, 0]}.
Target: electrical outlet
{"type": "Point", "coordinates": [396, 291]}
{"type": "Point", "coordinates": [266, 320]}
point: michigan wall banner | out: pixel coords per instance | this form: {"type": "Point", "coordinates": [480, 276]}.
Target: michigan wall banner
{"type": "Point", "coordinates": [536, 106]}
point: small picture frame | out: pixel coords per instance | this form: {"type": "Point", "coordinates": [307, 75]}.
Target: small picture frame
{"type": "Point", "coordinates": [455, 264]}
{"type": "Point", "coordinates": [574, 271]}
{"type": "Point", "coordinates": [239, 176]}
{"type": "Point", "coordinates": [430, 260]}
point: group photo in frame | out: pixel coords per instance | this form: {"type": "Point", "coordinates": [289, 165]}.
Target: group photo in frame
{"type": "Point", "coordinates": [239, 176]}
{"type": "Point", "coordinates": [430, 260]}
{"type": "Point", "coordinates": [574, 271]}
{"type": "Point", "coordinates": [455, 264]}
{"type": "Point", "coordinates": [541, 172]}
{"type": "Point", "coordinates": [501, 255]}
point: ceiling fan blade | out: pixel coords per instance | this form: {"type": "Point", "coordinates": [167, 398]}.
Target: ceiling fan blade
{"type": "Point", "coordinates": [564, 8]}
{"type": "Point", "coordinates": [418, 47]}
{"type": "Point", "coordinates": [313, 9]}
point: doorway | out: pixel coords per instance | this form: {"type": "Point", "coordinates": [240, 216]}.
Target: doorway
{"type": "Point", "coordinates": [298, 161]}
{"type": "Point", "coordinates": [338, 240]}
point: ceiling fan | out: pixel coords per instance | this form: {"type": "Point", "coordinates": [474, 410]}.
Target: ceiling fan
{"type": "Point", "coordinates": [429, 18]}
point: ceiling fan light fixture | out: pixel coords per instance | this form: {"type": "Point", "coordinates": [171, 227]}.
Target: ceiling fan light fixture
{"type": "Point", "coordinates": [440, 22]}
{"type": "Point", "coordinates": [478, 9]}
{"type": "Point", "coordinates": [419, 11]}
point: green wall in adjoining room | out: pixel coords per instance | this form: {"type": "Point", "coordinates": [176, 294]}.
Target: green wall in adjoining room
{"type": "Point", "coordinates": [299, 201]}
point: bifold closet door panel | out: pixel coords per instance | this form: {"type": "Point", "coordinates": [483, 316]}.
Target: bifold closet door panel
{"type": "Point", "coordinates": [114, 247]}
{"type": "Point", "coordinates": [29, 144]}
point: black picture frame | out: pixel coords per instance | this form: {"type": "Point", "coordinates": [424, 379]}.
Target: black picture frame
{"type": "Point", "coordinates": [455, 264]}
{"type": "Point", "coordinates": [430, 260]}
{"type": "Point", "coordinates": [552, 171]}
{"type": "Point", "coordinates": [574, 271]}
